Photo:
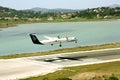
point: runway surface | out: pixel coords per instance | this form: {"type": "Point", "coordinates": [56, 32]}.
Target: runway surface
{"type": "Point", "coordinates": [11, 69]}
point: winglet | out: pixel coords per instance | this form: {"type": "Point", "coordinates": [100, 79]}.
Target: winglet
{"type": "Point", "coordinates": [35, 39]}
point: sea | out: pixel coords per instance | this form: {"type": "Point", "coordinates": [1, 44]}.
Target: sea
{"type": "Point", "coordinates": [16, 40]}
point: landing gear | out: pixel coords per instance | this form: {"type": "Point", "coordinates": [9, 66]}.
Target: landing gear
{"type": "Point", "coordinates": [51, 44]}
{"type": "Point", "coordinates": [60, 44]}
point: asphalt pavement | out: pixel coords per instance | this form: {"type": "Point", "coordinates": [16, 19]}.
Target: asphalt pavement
{"type": "Point", "coordinates": [11, 69]}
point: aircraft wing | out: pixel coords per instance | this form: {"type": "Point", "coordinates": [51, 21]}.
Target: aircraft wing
{"type": "Point", "coordinates": [50, 38]}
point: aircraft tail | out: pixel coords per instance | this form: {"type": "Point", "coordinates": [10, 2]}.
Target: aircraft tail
{"type": "Point", "coordinates": [35, 39]}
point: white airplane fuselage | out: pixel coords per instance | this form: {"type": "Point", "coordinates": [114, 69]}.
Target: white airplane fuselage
{"type": "Point", "coordinates": [55, 41]}
{"type": "Point", "coordinates": [51, 40]}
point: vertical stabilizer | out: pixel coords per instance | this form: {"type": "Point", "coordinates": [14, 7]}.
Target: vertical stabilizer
{"type": "Point", "coordinates": [35, 39]}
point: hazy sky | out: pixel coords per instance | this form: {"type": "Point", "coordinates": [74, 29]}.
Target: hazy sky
{"type": "Point", "coordinates": [68, 4]}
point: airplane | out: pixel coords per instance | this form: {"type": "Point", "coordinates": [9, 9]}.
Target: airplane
{"type": "Point", "coordinates": [52, 40]}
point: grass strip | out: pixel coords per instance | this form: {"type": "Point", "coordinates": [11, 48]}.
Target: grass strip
{"type": "Point", "coordinates": [88, 72]}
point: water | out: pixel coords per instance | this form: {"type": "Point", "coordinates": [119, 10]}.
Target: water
{"type": "Point", "coordinates": [16, 40]}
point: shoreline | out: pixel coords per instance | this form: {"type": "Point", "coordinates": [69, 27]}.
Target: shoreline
{"type": "Point", "coordinates": [15, 23]}
{"type": "Point", "coordinates": [74, 49]}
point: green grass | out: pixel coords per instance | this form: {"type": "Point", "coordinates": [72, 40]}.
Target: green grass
{"type": "Point", "coordinates": [75, 49]}
{"type": "Point", "coordinates": [84, 72]}
{"type": "Point", "coordinates": [12, 23]}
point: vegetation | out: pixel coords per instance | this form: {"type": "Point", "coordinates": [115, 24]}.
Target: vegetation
{"type": "Point", "coordinates": [103, 71]}
{"type": "Point", "coordinates": [11, 17]}
{"type": "Point", "coordinates": [7, 13]}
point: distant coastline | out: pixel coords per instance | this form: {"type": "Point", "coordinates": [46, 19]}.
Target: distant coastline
{"type": "Point", "coordinates": [6, 24]}
{"type": "Point", "coordinates": [11, 17]}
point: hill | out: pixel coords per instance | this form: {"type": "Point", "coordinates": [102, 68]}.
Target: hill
{"type": "Point", "coordinates": [44, 13]}
{"type": "Point", "coordinates": [37, 9]}
{"type": "Point", "coordinates": [115, 6]}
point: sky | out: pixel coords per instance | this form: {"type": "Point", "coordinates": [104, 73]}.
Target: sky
{"type": "Point", "coordinates": [51, 4]}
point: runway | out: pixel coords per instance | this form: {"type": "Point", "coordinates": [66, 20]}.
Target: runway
{"type": "Point", "coordinates": [11, 69]}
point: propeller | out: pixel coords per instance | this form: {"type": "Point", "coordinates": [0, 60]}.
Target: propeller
{"type": "Point", "coordinates": [75, 40]}
{"type": "Point", "coordinates": [66, 38]}
{"type": "Point", "coordinates": [58, 37]}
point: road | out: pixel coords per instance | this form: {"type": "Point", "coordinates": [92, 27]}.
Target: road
{"type": "Point", "coordinates": [11, 69]}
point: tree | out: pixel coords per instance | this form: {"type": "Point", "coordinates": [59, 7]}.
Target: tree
{"type": "Point", "coordinates": [113, 78]}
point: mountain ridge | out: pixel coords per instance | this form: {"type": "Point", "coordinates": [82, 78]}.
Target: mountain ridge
{"type": "Point", "coordinates": [114, 5]}
{"type": "Point", "coordinates": [37, 9]}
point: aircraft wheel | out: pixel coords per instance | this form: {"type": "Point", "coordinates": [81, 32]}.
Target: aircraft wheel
{"type": "Point", "coordinates": [60, 45]}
